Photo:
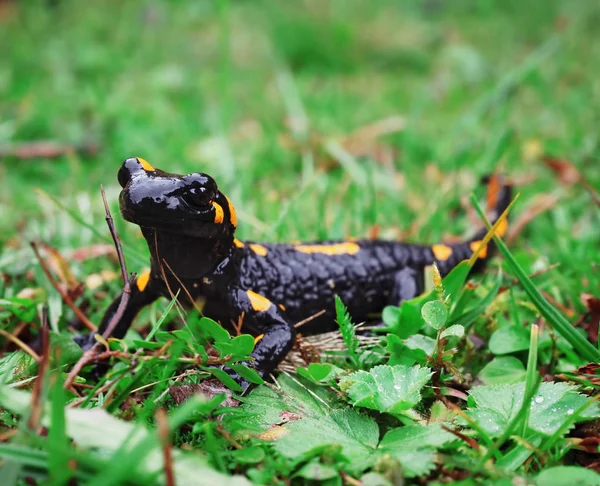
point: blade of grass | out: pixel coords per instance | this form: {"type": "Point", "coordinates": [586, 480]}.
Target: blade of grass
{"type": "Point", "coordinates": [586, 350]}
{"type": "Point", "coordinates": [532, 376]}
{"type": "Point", "coordinates": [58, 467]}
{"type": "Point", "coordinates": [156, 328]}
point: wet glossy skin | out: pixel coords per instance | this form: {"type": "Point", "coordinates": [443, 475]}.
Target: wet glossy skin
{"type": "Point", "coordinates": [189, 226]}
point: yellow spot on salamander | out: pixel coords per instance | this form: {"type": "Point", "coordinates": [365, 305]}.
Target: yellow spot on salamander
{"type": "Point", "coordinates": [142, 280]}
{"type": "Point", "coordinates": [502, 227]}
{"type": "Point", "coordinates": [146, 165]}
{"type": "Point", "coordinates": [218, 213]}
{"type": "Point", "coordinates": [238, 243]}
{"type": "Point", "coordinates": [347, 248]}
{"type": "Point", "coordinates": [258, 338]}
{"type": "Point", "coordinates": [282, 307]}
{"type": "Point", "coordinates": [258, 302]}
{"type": "Point", "coordinates": [474, 245]}
{"type": "Point", "coordinates": [232, 214]}
{"type": "Point", "coordinates": [441, 252]}
{"type": "Point", "coordinates": [258, 249]}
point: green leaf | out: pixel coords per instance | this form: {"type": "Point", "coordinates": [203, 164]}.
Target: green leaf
{"type": "Point", "coordinates": [435, 314]}
{"type": "Point", "coordinates": [15, 365]}
{"type": "Point", "coordinates": [242, 345]}
{"type": "Point", "coordinates": [374, 479]}
{"type": "Point", "coordinates": [294, 399]}
{"type": "Point", "coordinates": [419, 341]}
{"type": "Point", "coordinates": [568, 476]}
{"type": "Point", "coordinates": [509, 339]}
{"type": "Point", "coordinates": [453, 331]}
{"type": "Point", "coordinates": [249, 455]}
{"type": "Point", "coordinates": [347, 330]}
{"type": "Point", "coordinates": [151, 345]}
{"type": "Point", "coordinates": [224, 378]}
{"type": "Point", "coordinates": [23, 309]}
{"type": "Point", "coordinates": [497, 405]}
{"type": "Point", "coordinates": [316, 471]}
{"type": "Point", "coordinates": [414, 446]}
{"type": "Point", "coordinates": [320, 373]}
{"type": "Point", "coordinates": [211, 329]}
{"type": "Point", "coordinates": [503, 370]}
{"type": "Point", "coordinates": [355, 434]}
{"type": "Point", "coordinates": [401, 354]}
{"type": "Point", "coordinates": [406, 320]}
{"type": "Point", "coordinates": [391, 389]}
{"type": "Point", "coordinates": [247, 373]}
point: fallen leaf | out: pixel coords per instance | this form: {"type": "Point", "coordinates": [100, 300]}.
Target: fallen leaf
{"type": "Point", "coordinates": [539, 204]}
{"type": "Point", "coordinates": [92, 251]}
{"type": "Point", "coordinates": [46, 149]}
{"type": "Point", "coordinates": [96, 280]}
{"type": "Point", "coordinates": [274, 433]}
{"type": "Point", "coordinates": [567, 173]}
{"type": "Point", "coordinates": [60, 266]}
{"type": "Point", "coordinates": [209, 388]}
{"type": "Point", "coordinates": [591, 319]}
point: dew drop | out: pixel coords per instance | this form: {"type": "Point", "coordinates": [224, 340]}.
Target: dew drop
{"type": "Point", "coordinates": [570, 411]}
{"type": "Point", "coordinates": [539, 399]}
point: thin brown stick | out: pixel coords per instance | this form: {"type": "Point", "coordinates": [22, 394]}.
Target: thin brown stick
{"type": "Point", "coordinates": [113, 232]}
{"type": "Point", "coordinates": [65, 297]}
{"type": "Point", "coordinates": [164, 277]}
{"type": "Point", "coordinates": [163, 432]}
{"type": "Point", "coordinates": [471, 442]}
{"type": "Point", "coordinates": [350, 480]}
{"type": "Point", "coordinates": [187, 292]}
{"type": "Point", "coordinates": [228, 437]}
{"type": "Point", "coordinates": [21, 344]}
{"type": "Point", "coordinates": [516, 282]}
{"type": "Point", "coordinates": [36, 394]}
{"type": "Point", "coordinates": [310, 318]}
{"type": "Point", "coordinates": [91, 354]}
{"type": "Point", "coordinates": [125, 295]}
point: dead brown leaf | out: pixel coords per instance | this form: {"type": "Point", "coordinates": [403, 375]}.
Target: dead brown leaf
{"type": "Point", "coordinates": [538, 205]}
{"type": "Point", "coordinates": [61, 267]}
{"type": "Point", "coordinates": [209, 388]}
{"type": "Point", "coordinates": [92, 251]}
{"type": "Point", "coordinates": [569, 175]}
{"type": "Point", "coordinates": [591, 319]}
{"type": "Point", "coordinates": [47, 149]}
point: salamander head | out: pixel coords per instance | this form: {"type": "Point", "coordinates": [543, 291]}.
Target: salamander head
{"type": "Point", "coordinates": [188, 205]}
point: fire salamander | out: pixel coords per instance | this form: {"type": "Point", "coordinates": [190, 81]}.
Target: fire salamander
{"type": "Point", "coordinates": [189, 226]}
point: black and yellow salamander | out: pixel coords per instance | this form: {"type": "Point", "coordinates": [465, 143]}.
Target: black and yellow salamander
{"type": "Point", "coordinates": [190, 225]}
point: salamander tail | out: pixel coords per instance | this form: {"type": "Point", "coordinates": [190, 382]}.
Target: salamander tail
{"type": "Point", "coordinates": [499, 196]}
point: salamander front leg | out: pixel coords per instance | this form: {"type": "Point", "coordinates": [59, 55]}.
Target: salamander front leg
{"type": "Point", "coordinates": [408, 284]}
{"type": "Point", "coordinates": [276, 337]}
{"type": "Point", "coordinates": [141, 295]}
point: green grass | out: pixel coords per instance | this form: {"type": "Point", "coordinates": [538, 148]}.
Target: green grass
{"type": "Point", "coordinates": [261, 95]}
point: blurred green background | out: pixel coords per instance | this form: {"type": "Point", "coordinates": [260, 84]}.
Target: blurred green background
{"type": "Point", "coordinates": [277, 101]}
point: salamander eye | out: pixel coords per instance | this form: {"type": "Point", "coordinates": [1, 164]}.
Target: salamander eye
{"type": "Point", "coordinates": [198, 197]}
